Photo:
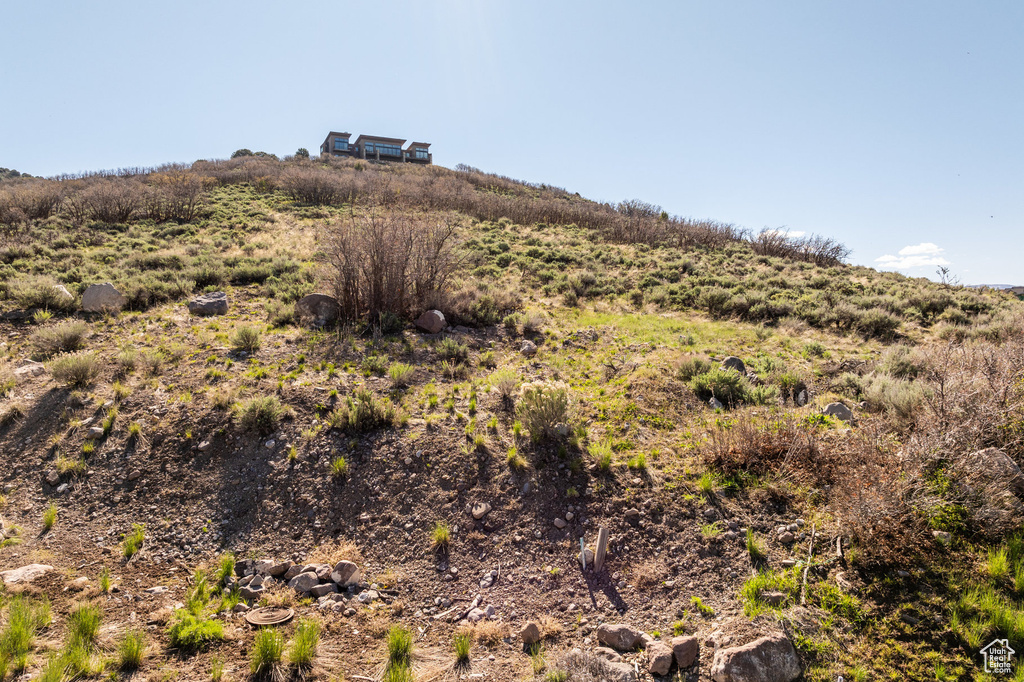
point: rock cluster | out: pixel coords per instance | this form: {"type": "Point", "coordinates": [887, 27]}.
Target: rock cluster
{"type": "Point", "coordinates": [680, 651]}
{"type": "Point", "coordinates": [316, 580]}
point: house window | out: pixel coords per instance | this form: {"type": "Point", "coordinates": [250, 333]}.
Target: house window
{"type": "Point", "coordinates": [421, 153]}
{"type": "Point", "coordinates": [340, 145]}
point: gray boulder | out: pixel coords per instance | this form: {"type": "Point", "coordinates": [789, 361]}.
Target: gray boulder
{"type": "Point", "coordinates": [321, 309]}
{"type": "Point", "coordinates": [733, 362]}
{"type": "Point", "coordinates": [215, 303]}
{"type": "Point", "coordinates": [62, 293]}
{"type": "Point", "coordinates": [304, 582]}
{"type": "Point", "coordinates": [101, 298]}
{"type": "Point", "coordinates": [839, 411]}
{"type": "Point", "coordinates": [619, 636]}
{"type": "Point", "coordinates": [432, 322]}
{"type": "Point", "coordinates": [345, 573]}
{"type": "Point", "coordinates": [992, 465]}
{"type": "Point", "coordinates": [768, 659]}
{"type": "Point", "coordinates": [25, 574]}
{"type": "Point", "coordinates": [323, 590]}
{"type": "Point", "coordinates": [528, 349]}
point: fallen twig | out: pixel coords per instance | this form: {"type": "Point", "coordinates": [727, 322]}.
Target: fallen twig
{"type": "Point", "coordinates": [807, 566]}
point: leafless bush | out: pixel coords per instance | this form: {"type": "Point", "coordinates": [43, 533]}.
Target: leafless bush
{"type": "Point", "coordinates": [313, 185]}
{"type": "Point", "coordinates": [387, 264]}
{"type": "Point", "coordinates": [176, 194]}
{"type": "Point", "coordinates": [108, 200]}
{"type": "Point", "coordinates": [812, 248]}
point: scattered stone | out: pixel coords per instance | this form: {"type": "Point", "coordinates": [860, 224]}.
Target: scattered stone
{"type": "Point", "coordinates": [618, 636]}
{"type": "Point", "coordinates": [100, 298]}
{"type": "Point", "coordinates": [292, 572]}
{"type": "Point", "coordinates": [25, 574]}
{"type": "Point", "coordinates": [345, 573]}
{"type": "Point", "coordinates": [773, 598]}
{"type": "Point", "coordinates": [528, 349]}
{"type": "Point", "coordinates": [560, 523]}
{"type": "Point", "coordinates": [94, 433]}
{"type": "Point", "coordinates": [323, 590]}
{"type": "Point", "coordinates": [304, 582]}
{"type": "Point", "coordinates": [839, 411]}
{"type": "Point", "coordinates": [320, 309]}
{"type": "Point", "coordinates": [134, 474]}
{"type": "Point", "coordinates": [768, 659]}
{"type": "Point", "coordinates": [786, 537]}
{"type": "Point", "coordinates": [209, 304]}
{"type": "Point", "coordinates": [475, 615]}
{"type": "Point", "coordinates": [63, 294]}
{"type": "Point", "coordinates": [480, 510]}
{"type": "Point", "coordinates": [79, 584]}
{"type": "Point", "coordinates": [801, 398]}
{"type": "Point", "coordinates": [204, 446]}
{"type": "Point", "coordinates": [52, 477]}
{"type": "Point", "coordinates": [659, 658]}
{"type": "Point", "coordinates": [733, 362]}
{"type": "Point", "coordinates": [240, 607]}
{"type": "Point", "coordinates": [632, 517]}
{"type": "Point", "coordinates": [29, 368]}
{"type": "Point", "coordinates": [432, 322]}
{"type": "Point", "coordinates": [715, 403]}
{"type": "Point", "coordinates": [278, 569]}
{"type": "Point", "coordinates": [530, 634]}
{"type": "Point", "coordinates": [943, 537]}
{"type": "Point", "coordinates": [157, 589]}
{"type": "Point", "coordinates": [607, 654]}
{"type": "Point", "coordinates": [367, 596]}
{"type": "Point", "coordinates": [685, 650]}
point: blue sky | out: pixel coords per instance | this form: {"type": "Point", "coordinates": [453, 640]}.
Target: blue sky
{"type": "Point", "coordinates": [893, 127]}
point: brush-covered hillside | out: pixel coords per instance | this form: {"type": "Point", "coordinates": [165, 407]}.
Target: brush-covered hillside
{"type": "Point", "coordinates": [791, 456]}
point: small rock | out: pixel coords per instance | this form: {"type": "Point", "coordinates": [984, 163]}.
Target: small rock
{"type": "Point", "coordinates": [240, 607]}
{"type": "Point", "coordinates": [475, 615]}
{"type": "Point", "coordinates": [99, 298]}
{"type": "Point", "coordinates": [215, 303]}
{"type": "Point", "coordinates": [943, 537]}
{"type": "Point", "coordinates": [304, 582]}
{"type": "Point", "coordinates": [94, 433]}
{"type": "Point", "coordinates": [685, 650]}
{"type": "Point", "coordinates": [480, 510]}
{"type": "Point", "coordinates": [773, 598]}
{"type": "Point", "coordinates": [530, 634]}
{"type": "Point", "coordinates": [528, 349]}
{"type": "Point", "coordinates": [320, 309]}
{"type": "Point", "coordinates": [659, 658]}
{"type": "Point", "coordinates": [786, 537]}
{"type": "Point", "coordinates": [715, 403]}
{"type": "Point", "coordinates": [618, 636]}
{"type": "Point", "coordinates": [134, 474]}
{"type": "Point", "coordinates": [632, 517]}
{"type": "Point", "coordinates": [733, 362]}
{"type": "Point", "coordinates": [52, 477]}
{"type": "Point", "coordinates": [839, 411]}
{"type": "Point", "coordinates": [345, 573]}
{"type": "Point", "coordinates": [560, 523]}
{"type": "Point", "coordinates": [432, 322]}
{"type": "Point", "coordinates": [323, 590]}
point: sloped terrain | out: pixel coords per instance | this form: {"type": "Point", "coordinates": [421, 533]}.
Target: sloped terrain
{"type": "Point", "coordinates": [574, 389]}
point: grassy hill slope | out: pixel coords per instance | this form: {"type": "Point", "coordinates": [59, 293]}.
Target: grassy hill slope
{"type": "Point", "coordinates": [575, 384]}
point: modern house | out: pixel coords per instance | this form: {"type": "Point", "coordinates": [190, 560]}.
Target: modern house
{"type": "Point", "coordinates": [375, 148]}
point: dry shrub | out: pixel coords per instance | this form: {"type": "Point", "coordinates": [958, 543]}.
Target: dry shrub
{"type": "Point", "coordinates": [583, 666]}
{"type": "Point", "coordinates": [33, 199]}
{"type": "Point", "coordinates": [490, 633]}
{"type": "Point", "coordinates": [811, 248]}
{"type": "Point", "coordinates": [176, 194]}
{"type": "Point", "coordinates": [107, 200]}
{"type": "Point", "coordinates": [550, 628]}
{"type": "Point", "coordinates": [38, 291]}
{"type": "Point", "coordinates": [335, 551]}
{"type": "Point", "coordinates": [387, 264]}
{"type": "Point", "coordinates": [314, 185]}
{"type": "Point", "coordinates": [649, 574]}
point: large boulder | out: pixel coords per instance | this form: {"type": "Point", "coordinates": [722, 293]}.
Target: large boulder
{"type": "Point", "coordinates": [345, 573]}
{"type": "Point", "coordinates": [590, 667]}
{"type": "Point", "coordinates": [619, 636]}
{"type": "Point", "coordinates": [659, 658]}
{"type": "Point", "coordinates": [432, 322]}
{"type": "Point", "coordinates": [103, 298]}
{"type": "Point", "coordinates": [686, 650]}
{"type": "Point", "coordinates": [304, 582]}
{"type": "Point", "coordinates": [320, 309]}
{"type": "Point", "coordinates": [530, 634]}
{"type": "Point", "coordinates": [768, 659]}
{"type": "Point", "coordinates": [25, 574]}
{"type": "Point", "coordinates": [215, 303]}
{"type": "Point", "coordinates": [733, 362]}
{"type": "Point", "coordinates": [992, 465]}
{"type": "Point", "coordinates": [839, 411]}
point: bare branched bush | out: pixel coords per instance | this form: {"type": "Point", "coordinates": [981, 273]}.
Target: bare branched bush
{"type": "Point", "coordinates": [385, 264]}
{"type": "Point", "coordinates": [176, 194]}
{"type": "Point", "coordinates": [811, 248]}
{"type": "Point", "coordinates": [314, 185]}
{"type": "Point", "coordinates": [107, 200]}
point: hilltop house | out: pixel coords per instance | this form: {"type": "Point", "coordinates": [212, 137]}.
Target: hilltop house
{"type": "Point", "coordinates": [375, 148]}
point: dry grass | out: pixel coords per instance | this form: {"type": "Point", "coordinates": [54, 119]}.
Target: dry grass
{"type": "Point", "coordinates": [550, 627]}
{"type": "Point", "coordinates": [649, 574]}
{"type": "Point", "coordinates": [335, 551]}
{"type": "Point", "coordinates": [489, 633]}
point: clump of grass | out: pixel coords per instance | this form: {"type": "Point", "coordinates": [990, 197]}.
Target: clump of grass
{"type": "Point", "coordinates": [105, 580]}
{"type": "Point", "coordinates": [364, 412]}
{"type": "Point", "coordinates": [191, 632]}
{"type": "Point", "coordinates": [440, 536]}
{"type": "Point", "coordinates": [637, 462]}
{"type": "Point", "coordinates": [132, 541]}
{"type": "Point", "coordinates": [76, 369]}
{"type": "Point", "coordinates": [261, 414]}
{"type": "Point", "coordinates": [83, 625]}
{"type": "Point", "coordinates": [131, 649]}
{"type": "Point", "coordinates": [339, 467]}
{"type": "Point", "coordinates": [453, 351]}
{"type": "Point", "coordinates": [216, 669]}
{"type": "Point", "coordinates": [514, 459]}
{"type": "Point", "coordinates": [543, 406]}
{"type": "Point", "coordinates": [755, 548]}
{"type": "Point", "coordinates": [706, 483]}
{"type": "Point", "coordinates": [462, 642]}
{"type": "Point", "coordinates": [701, 607]}
{"type": "Point", "coordinates": [692, 367]}
{"type": "Point", "coordinates": [785, 581]}
{"type": "Point", "coordinates": [49, 517]}
{"type": "Point", "coordinates": [25, 619]}
{"type": "Point", "coordinates": [70, 466]}
{"type": "Point", "coordinates": [998, 564]}
{"type": "Point", "coordinates": [61, 338]}
{"type": "Point", "coordinates": [108, 421]}
{"type": "Point", "coordinates": [537, 659]}
{"type": "Point", "coordinates": [602, 454]}
{"type": "Point", "coordinates": [304, 645]}
{"type": "Point", "coordinates": [710, 531]}
{"type": "Point", "coordinates": [375, 364]}
{"type": "Point", "coordinates": [399, 647]}
{"type": "Point", "coordinates": [506, 382]}
{"type": "Point", "coordinates": [400, 374]}
{"type": "Point", "coordinates": [267, 650]}
{"type": "Point", "coordinates": [726, 385]}
{"type": "Point", "coordinates": [120, 391]}
{"type": "Point", "coordinates": [246, 339]}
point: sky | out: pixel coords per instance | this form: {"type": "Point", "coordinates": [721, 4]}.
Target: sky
{"type": "Point", "coordinates": [893, 127]}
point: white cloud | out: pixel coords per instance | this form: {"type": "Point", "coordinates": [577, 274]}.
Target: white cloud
{"type": "Point", "coordinates": [920, 255]}
{"type": "Point", "coordinates": [792, 234]}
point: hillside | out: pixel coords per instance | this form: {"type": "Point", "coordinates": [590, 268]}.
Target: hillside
{"type": "Point", "coordinates": [672, 380]}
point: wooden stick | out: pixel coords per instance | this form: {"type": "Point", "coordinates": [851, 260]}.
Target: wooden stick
{"type": "Point", "coordinates": [602, 547]}
{"type": "Point", "coordinates": [810, 551]}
